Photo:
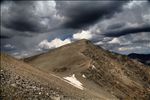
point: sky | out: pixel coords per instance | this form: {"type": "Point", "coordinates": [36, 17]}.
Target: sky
{"type": "Point", "coordinates": [32, 27]}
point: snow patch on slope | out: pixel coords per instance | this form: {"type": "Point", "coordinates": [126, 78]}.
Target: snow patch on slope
{"type": "Point", "coordinates": [83, 76]}
{"type": "Point", "coordinates": [93, 67]}
{"type": "Point", "coordinates": [73, 81]}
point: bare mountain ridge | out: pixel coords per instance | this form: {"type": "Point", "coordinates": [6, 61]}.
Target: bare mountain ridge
{"type": "Point", "coordinates": [89, 72]}
{"type": "Point", "coordinates": [116, 74]}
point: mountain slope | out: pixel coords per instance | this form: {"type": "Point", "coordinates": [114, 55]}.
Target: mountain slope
{"type": "Point", "coordinates": [105, 74]}
{"type": "Point", "coordinates": [21, 81]}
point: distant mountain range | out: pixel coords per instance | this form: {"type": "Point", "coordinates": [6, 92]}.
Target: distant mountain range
{"type": "Point", "coordinates": [76, 71]}
{"type": "Point", "coordinates": [144, 58]}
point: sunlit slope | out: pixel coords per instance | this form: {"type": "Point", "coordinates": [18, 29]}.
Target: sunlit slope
{"type": "Point", "coordinates": [97, 69]}
{"type": "Point", "coordinates": [21, 81]}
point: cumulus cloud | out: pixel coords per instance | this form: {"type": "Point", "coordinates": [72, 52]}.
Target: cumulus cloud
{"type": "Point", "coordinates": [83, 35]}
{"type": "Point", "coordinates": [9, 46]}
{"type": "Point", "coordinates": [114, 40]}
{"type": "Point", "coordinates": [54, 43]}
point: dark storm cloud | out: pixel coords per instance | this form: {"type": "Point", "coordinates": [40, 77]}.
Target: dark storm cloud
{"type": "Point", "coordinates": [7, 49]}
{"type": "Point", "coordinates": [22, 25]}
{"type": "Point", "coordinates": [142, 41]}
{"type": "Point", "coordinates": [9, 33]}
{"type": "Point", "coordinates": [83, 14]}
{"type": "Point", "coordinates": [21, 17]}
{"type": "Point", "coordinates": [1, 1]}
{"type": "Point", "coordinates": [115, 26]}
{"type": "Point", "coordinates": [4, 37]}
{"type": "Point", "coordinates": [27, 16]}
{"type": "Point", "coordinates": [125, 31]}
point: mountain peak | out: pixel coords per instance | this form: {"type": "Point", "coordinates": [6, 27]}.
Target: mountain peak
{"type": "Point", "coordinates": [83, 40]}
{"type": "Point", "coordinates": [78, 45]}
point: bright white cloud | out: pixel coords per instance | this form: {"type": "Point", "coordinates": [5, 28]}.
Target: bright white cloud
{"type": "Point", "coordinates": [123, 40]}
{"type": "Point", "coordinates": [83, 35]}
{"type": "Point", "coordinates": [99, 43]}
{"type": "Point", "coordinates": [9, 46]}
{"type": "Point", "coordinates": [54, 43]}
{"type": "Point", "coordinates": [115, 40]}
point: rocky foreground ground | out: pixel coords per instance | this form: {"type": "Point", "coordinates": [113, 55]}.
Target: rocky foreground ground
{"type": "Point", "coordinates": [15, 86]}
